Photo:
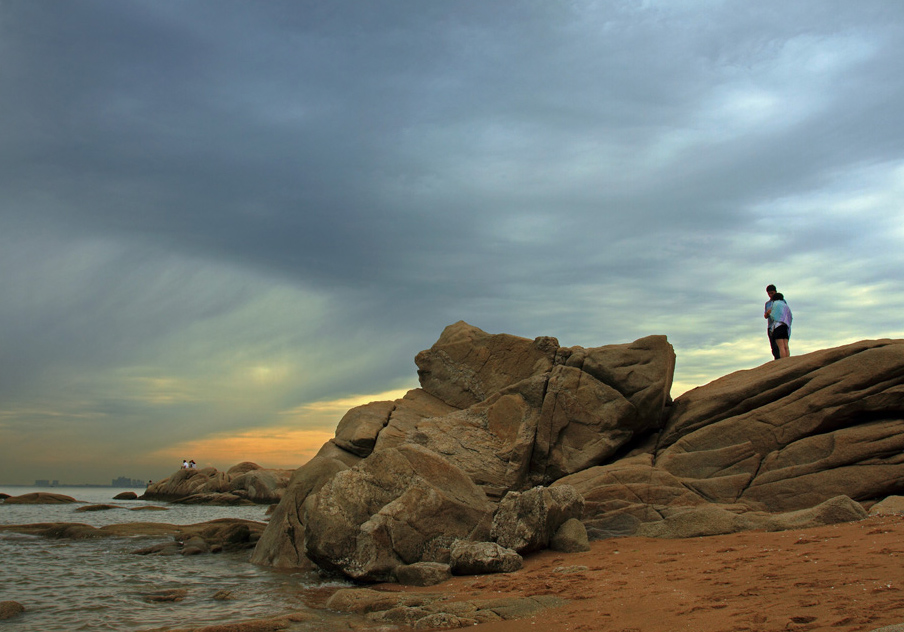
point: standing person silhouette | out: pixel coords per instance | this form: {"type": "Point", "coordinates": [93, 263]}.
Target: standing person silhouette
{"type": "Point", "coordinates": [779, 315]}
{"type": "Point", "coordinates": [770, 291]}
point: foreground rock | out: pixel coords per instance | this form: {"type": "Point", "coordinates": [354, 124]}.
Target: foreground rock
{"type": "Point", "coordinates": [404, 505]}
{"type": "Point", "coordinates": [806, 440]}
{"type": "Point", "coordinates": [501, 412]}
{"type": "Point", "coordinates": [245, 483]}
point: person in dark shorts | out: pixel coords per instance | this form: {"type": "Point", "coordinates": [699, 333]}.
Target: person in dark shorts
{"type": "Point", "coordinates": [779, 316]}
{"type": "Point", "coordinates": [770, 291]}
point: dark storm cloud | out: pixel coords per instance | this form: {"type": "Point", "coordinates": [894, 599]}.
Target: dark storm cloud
{"type": "Point", "coordinates": [192, 193]}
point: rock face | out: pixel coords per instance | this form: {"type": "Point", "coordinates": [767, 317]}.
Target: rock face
{"type": "Point", "coordinates": [509, 439]}
{"type": "Point", "coordinates": [244, 482]}
{"type": "Point", "coordinates": [784, 436]}
{"type": "Point", "coordinates": [496, 413]}
{"type": "Point", "coordinates": [401, 506]}
{"type": "Point", "coordinates": [527, 521]}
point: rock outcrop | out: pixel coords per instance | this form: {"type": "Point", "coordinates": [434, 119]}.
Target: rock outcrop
{"type": "Point", "coordinates": [495, 414]}
{"type": "Point", "coordinates": [784, 436]}
{"type": "Point", "coordinates": [400, 506]}
{"type": "Point", "coordinates": [508, 439]}
{"type": "Point", "coordinates": [245, 482]}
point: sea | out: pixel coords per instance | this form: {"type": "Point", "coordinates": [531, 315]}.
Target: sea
{"type": "Point", "coordinates": [99, 584]}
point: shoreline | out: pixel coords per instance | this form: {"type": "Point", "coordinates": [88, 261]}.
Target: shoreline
{"type": "Point", "coordinates": [838, 578]}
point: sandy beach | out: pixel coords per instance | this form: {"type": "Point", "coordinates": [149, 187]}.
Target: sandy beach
{"type": "Point", "coordinates": [837, 578]}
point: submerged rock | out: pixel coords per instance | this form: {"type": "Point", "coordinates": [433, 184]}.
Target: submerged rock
{"type": "Point", "coordinates": [40, 498]}
{"type": "Point", "coordinates": [10, 609]}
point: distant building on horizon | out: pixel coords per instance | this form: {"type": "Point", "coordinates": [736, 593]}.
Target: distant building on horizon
{"type": "Point", "coordinates": [125, 481]}
{"type": "Point", "coordinates": [47, 483]}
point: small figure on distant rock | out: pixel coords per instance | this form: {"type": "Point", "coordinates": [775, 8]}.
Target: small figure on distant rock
{"type": "Point", "coordinates": [191, 464]}
{"type": "Point", "coordinates": [184, 464]}
{"type": "Point", "coordinates": [778, 315]}
{"type": "Point", "coordinates": [770, 291]}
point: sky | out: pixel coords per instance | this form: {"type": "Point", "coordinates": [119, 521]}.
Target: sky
{"type": "Point", "coordinates": [223, 223]}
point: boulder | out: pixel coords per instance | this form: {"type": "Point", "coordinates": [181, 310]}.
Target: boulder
{"type": "Point", "coordinates": [891, 506]}
{"type": "Point", "coordinates": [259, 485]}
{"type": "Point", "coordinates": [188, 482]}
{"type": "Point", "coordinates": [493, 441]}
{"type": "Point", "coordinates": [481, 558]}
{"type": "Point", "coordinates": [358, 430]}
{"type": "Point", "coordinates": [467, 365]}
{"type": "Point", "coordinates": [242, 468]}
{"type": "Point", "coordinates": [246, 481]}
{"type": "Point", "coordinates": [399, 506]}
{"type": "Point", "coordinates": [571, 537]}
{"type": "Point", "coordinates": [407, 412]}
{"type": "Point", "coordinates": [527, 521]}
{"type": "Point", "coordinates": [283, 542]}
{"type": "Point", "coordinates": [532, 412]}
{"type": "Point", "coordinates": [422, 574]}
{"type": "Point", "coordinates": [126, 496]}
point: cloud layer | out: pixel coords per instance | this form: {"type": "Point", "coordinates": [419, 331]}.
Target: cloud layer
{"type": "Point", "coordinates": [215, 213]}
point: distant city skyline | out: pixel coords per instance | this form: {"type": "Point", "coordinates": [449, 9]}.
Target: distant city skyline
{"type": "Point", "coordinates": [120, 481]}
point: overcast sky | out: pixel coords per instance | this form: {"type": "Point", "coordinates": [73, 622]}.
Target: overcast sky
{"type": "Point", "coordinates": [222, 223]}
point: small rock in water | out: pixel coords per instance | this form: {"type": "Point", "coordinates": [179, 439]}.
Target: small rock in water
{"type": "Point", "coordinates": [10, 609]}
{"type": "Point", "coordinates": [170, 594]}
{"type": "Point", "coordinates": [97, 507]}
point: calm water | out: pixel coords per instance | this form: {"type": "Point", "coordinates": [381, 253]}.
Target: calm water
{"type": "Point", "coordinates": [100, 585]}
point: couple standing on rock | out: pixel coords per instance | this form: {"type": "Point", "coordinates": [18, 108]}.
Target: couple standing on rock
{"type": "Point", "coordinates": [778, 319]}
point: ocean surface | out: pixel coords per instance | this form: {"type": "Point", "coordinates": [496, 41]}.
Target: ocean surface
{"type": "Point", "coordinates": [99, 585]}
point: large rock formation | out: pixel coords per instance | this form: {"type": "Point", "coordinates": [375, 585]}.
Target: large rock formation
{"type": "Point", "coordinates": [784, 436]}
{"type": "Point", "coordinates": [499, 415]}
{"type": "Point", "coordinates": [496, 411]}
{"type": "Point", "coordinates": [245, 481]}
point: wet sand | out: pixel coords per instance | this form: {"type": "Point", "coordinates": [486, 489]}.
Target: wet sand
{"type": "Point", "coordinates": [837, 578]}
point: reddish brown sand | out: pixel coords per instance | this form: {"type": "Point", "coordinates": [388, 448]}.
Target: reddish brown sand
{"type": "Point", "coordinates": [836, 578]}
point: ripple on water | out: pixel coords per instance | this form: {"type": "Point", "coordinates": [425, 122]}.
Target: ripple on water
{"type": "Point", "coordinates": [101, 585]}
